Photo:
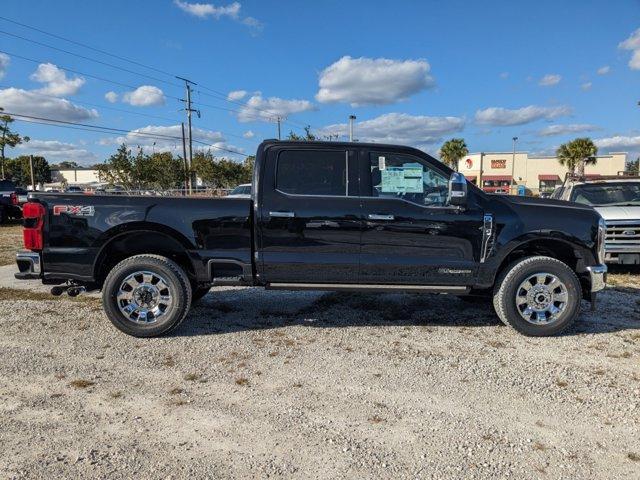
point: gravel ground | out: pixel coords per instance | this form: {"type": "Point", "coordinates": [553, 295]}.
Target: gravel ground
{"type": "Point", "coordinates": [309, 385]}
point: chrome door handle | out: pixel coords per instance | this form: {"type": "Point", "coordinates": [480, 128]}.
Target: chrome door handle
{"type": "Point", "coordinates": [375, 216]}
{"type": "Point", "coordinates": [282, 214]}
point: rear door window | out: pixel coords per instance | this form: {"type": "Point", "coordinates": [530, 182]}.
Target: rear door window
{"type": "Point", "coordinates": [312, 172]}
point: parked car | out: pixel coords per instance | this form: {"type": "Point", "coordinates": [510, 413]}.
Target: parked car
{"type": "Point", "coordinates": [74, 189]}
{"type": "Point", "coordinates": [10, 206]}
{"type": "Point", "coordinates": [322, 216]}
{"type": "Point", "coordinates": [241, 191]}
{"type": "Point", "coordinates": [617, 199]}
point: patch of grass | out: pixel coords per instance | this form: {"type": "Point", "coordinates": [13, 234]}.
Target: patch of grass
{"type": "Point", "coordinates": [192, 377]}
{"type": "Point", "coordinates": [169, 361]}
{"type": "Point", "coordinates": [178, 402]}
{"type": "Point", "coordinates": [10, 241]}
{"type": "Point", "coordinates": [561, 383]}
{"type": "Point", "coordinates": [116, 395]}
{"type": "Point", "coordinates": [496, 344]}
{"type": "Point", "coordinates": [599, 371]}
{"type": "Point", "coordinates": [15, 294]}
{"type": "Point", "coordinates": [176, 391]}
{"type": "Point", "coordinates": [79, 383]}
{"type": "Point", "coordinates": [376, 419]}
{"type": "Point", "coordinates": [539, 446]}
{"type": "Point", "coordinates": [242, 381]}
{"type": "Point", "coordinates": [56, 395]}
{"type": "Point", "coordinates": [634, 457]}
{"type": "Point", "coordinates": [297, 385]}
{"type": "Point", "coordinates": [625, 354]}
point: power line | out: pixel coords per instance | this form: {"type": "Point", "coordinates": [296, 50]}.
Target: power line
{"type": "Point", "coordinates": [84, 45]}
{"type": "Point", "coordinates": [130, 112]}
{"type": "Point", "coordinates": [273, 116]}
{"type": "Point", "coordinates": [105, 129]}
{"type": "Point", "coordinates": [155, 79]}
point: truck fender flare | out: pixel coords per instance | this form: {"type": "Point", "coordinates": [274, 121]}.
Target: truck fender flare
{"type": "Point", "coordinates": [116, 233]}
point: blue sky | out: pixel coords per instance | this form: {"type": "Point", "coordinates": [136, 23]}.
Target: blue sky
{"type": "Point", "coordinates": [412, 72]}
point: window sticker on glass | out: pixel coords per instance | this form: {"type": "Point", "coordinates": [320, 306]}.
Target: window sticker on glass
{"type": "Point", "coordinates": [406, 179]}
{"type": "Point", "coordinates": [382, 163]}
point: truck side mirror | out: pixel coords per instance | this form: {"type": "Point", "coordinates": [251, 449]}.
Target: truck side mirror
{"type": "Point", "coordinates": [457, 190]}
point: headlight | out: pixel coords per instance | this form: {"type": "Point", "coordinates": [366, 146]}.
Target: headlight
{"type": "Point", "coordinates": [602, 232]}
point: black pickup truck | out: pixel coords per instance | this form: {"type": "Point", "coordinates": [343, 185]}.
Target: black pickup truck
{"type": "Point", "coordinates": [322, 216]}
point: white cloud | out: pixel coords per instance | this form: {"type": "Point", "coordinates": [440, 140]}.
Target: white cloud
{"type": "Point", "coordinates": [204, 10]}
{"type": "Point", "coordinates": [248, 134]}
{"type": "Point", "coordinates": [520, 116]}
{"type": "Point", "coordinates": [368, 81]}
{"type": "Point", "coordinates": [56, 81]}
{"type": "Point", "coordinates": [112, 97]}
{"type": "Point", "coordinates": [56, 151]}
{"type": "Point", "coordinates": [586, 86]}
{"type": "Point", "coordinates": [237, 95]}
{"type": "Point", "coordinates": [144, 96]}
{"type": "Point", "coordinates": [633, 44]}
{"type": "Point", "coordinates": [139, 136]}
{"type": "Point", "coordinates": [15, 100]}
{"type": "Point", "coordinates": [618, 142]}
{"type": "Point", "coordinates": [550, 79]}
{"type": "Point", "coordinates": [399, 128]}
{"type": "Point", "coordinates": [263, 109]}
{"type": "Point", "coordinates": [603, 70]}
{"type": "Point", "coordinates": [565, 129]}
{"type": "Point", "coordinates": [4, 63]}
{"type": "Point", "coordinates": [208, 10]}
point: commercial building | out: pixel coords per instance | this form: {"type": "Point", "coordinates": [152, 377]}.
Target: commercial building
{"type": "Point", "coordinates": [536, 173]}
{"type": "Point", "coordinates": [75, 176]}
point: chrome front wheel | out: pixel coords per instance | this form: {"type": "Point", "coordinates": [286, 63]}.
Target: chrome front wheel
{"type": "Point", "coordinates": [541, 298]}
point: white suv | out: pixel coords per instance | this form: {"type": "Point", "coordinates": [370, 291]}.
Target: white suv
{"type": "Point", "coordinates": [617, 199]}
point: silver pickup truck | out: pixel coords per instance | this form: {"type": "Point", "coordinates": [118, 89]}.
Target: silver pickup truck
{"type": "Point", "coordinates": [617, 200]}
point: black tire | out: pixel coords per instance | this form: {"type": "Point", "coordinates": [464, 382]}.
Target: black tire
{"type": "Point", "coordinates": [198, 293]}
{"type": "Point", "coordinates": [178, 290]}
{"type": "Point", "coordinates": [508, 290]}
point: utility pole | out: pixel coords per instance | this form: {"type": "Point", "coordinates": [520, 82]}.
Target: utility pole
{"type": "Point", "coordinates": [279, 119]}
{"type": "Point", "coordinates": [187, 173]}
{"type": "Point", "coordinates": [33, 178]}
{"type": "Point", "coordinates": [351, 119]}
{"type": "Point", "coordinates": [513, 164]}
{"type": "Point", "coordinates": [4, 133]}
{"type": "Point", "coordinates": [480, 174]}
{"type": "Point", "coordinates": [189, 111]}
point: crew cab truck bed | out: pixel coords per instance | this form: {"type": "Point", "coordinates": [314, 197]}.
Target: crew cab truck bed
{"type": "Point", "coordinates": [322, 216]}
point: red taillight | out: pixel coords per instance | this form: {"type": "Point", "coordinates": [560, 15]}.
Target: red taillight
{"type": "Point", "coordinates": [33, 219]}
{"type": "Point", "coordinates": [14, 199]}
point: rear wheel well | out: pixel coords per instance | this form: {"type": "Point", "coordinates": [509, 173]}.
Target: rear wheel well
{"type": "Point", "coordinates": [137, 243]}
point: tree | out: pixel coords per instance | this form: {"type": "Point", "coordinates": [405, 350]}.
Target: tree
{"type": "Point", "coordinates": [308, 136]}
{"type": "Point", "coordinates": [66, 165]}
{"type": "Point", "coordinates": [19, 170]}
{"type": "Point", "coordinates": [576, 154]}
{"type": "Point", "coordinates": [224, 172]}
{"type": "Point", "coordinates": [118, 169]}
{"type": "Point", "coordinates": [8, 138]}
{"type": "Point", "coordinates": [452, 151]}
{"type": "Point", "coordinates": [633, 166]}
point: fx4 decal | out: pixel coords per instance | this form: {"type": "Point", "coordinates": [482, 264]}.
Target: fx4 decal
{"type": "Point", "coordinates": [79, 210]}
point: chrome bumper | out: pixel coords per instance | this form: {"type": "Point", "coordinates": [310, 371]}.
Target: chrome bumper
{"type": "Point", "coordinates": [598, 274]}
{"type": "Point", "coordinates": [29, 266]}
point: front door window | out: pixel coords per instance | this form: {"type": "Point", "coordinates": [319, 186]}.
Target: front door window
{"type": "Point", "coordinates": [407, 178]}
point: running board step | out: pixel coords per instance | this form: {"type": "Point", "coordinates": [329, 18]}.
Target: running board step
{"type": "Point", "coordinates": [460, 290]}
{"type": "Point", "coordinates": [229, 282]}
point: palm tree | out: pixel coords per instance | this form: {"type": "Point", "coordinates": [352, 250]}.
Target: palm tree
{"type": "Point", "coordinates": [452, 151]}
{"type": "Point", "coordinates": [576, 154]}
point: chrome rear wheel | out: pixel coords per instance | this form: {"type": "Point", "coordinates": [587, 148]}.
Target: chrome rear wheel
{"type": "Point", "coordinates": [144, 297]}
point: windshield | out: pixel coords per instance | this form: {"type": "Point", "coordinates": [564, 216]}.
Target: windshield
{"type": "Point", "coordinates": [600, 194]}
{"type": "Point", "coordinates": [242, 190]}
